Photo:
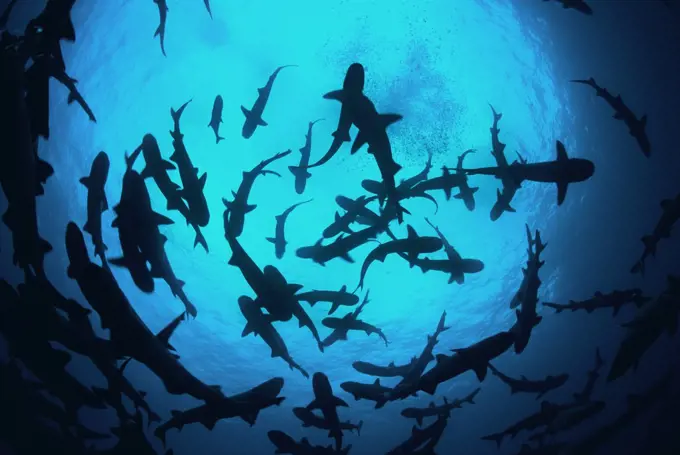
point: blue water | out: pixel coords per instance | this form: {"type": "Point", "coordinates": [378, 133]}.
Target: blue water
{"type": "Point", "coordinates": [437, 63]}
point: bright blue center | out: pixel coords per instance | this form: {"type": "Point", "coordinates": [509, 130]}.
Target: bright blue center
{"type": "Point", "coordinates": [438, 63]}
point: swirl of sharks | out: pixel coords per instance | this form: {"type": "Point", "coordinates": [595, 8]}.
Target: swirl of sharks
{"type": "Point", "coordinates": [35, 314]}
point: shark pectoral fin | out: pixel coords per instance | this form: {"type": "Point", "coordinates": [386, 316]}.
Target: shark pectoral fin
{"type": "Point", "coordinates": [201, 181]}
{"type": "Point", "coordinates": [209, 422]}
{"type": "Point", "coordinates": [359, 142]}
{"type": "Point", "coordinates": [85, 181]}
{"type": "Point", "coordinates": [162, 219]}
{"type": "Point", "coordinates": [618, 116]}
{"type": "Point", "coordinates": [271, 240]}
{"type": "Point", "coordinates": [87, 228]}
{"type": "Point", "coordinates": [261, 122]}
{"type": "Point", "coordinates": [118, 262]}
{"type": "Point", "coordinates": [246, 112]}
{"type": "Point", "coordinates": [105, 203]}
{"type": "Point", "coordinates": [347, 258]}
{"type": "Point", "coordinates": [247, 330]}
{"type": "Point", "coordinates": [337, 95]}
{"type": "Point", "coordinates": [561, 192]}
{"type": "Point", "coordinates": [388, 119]}
{"type": "Point", "coordinates": [313, 405]}
{"type": "Point", "coordinates": [167, 166]}
{"type": "Point", "coordinates": [62, 357]}
{"type": "Point", "coordinates": [340, 402]}
{"type": "Point", "coordinates": [147, 172]}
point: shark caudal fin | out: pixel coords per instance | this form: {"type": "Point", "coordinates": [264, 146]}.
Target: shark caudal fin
{"type": "Point", "coordinates": [200, 240]}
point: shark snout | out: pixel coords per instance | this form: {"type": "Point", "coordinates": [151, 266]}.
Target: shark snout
{"type": "Point", "coordinates": [587, 169]}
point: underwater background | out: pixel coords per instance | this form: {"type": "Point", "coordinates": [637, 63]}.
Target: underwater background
{"type": "Point", "coordinates": [439, 64]}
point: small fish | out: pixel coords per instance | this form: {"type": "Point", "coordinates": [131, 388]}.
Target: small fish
{"type": "Point", "coordinates": [279, 240]}
{"type": "Point", "coordinates": [216, 118]}
{"type": "Point", "coordinates": [160, 31]}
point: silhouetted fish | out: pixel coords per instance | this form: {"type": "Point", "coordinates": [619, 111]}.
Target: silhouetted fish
{"type": "Point", "coordinates": [254, 115]}
{"type": "Point", "coordinates": [300, 171]}
{"type": "Point", "coordinates": [636, 127]}
{"type": "Point", "coordinates": [97, 203]}
{"type": "Point", "coordinates": [192, 184]}
{"type": "Point", "coordinates": [279, 240]}
{"type": "Point", "coordinates": [127, 331]}
{"type": "Point", "coordinates": [216, 117]}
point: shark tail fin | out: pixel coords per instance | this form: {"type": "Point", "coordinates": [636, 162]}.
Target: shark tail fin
{"type": "Point", "coordinates": [639, 267]}
{"type": "Point", "coordinates": [200, 240]}
{"type": "Point", "coordinates": [218, 139]}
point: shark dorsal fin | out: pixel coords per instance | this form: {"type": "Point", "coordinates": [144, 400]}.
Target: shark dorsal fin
{"type": "Point", "coordinates": [411, 232]}
{"type": "Point", "coordinates": [162, 220]}
{"type": "Point", "coordinates": [561, 152]}
{"type": "Point", "coordinates": [377, 381]}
